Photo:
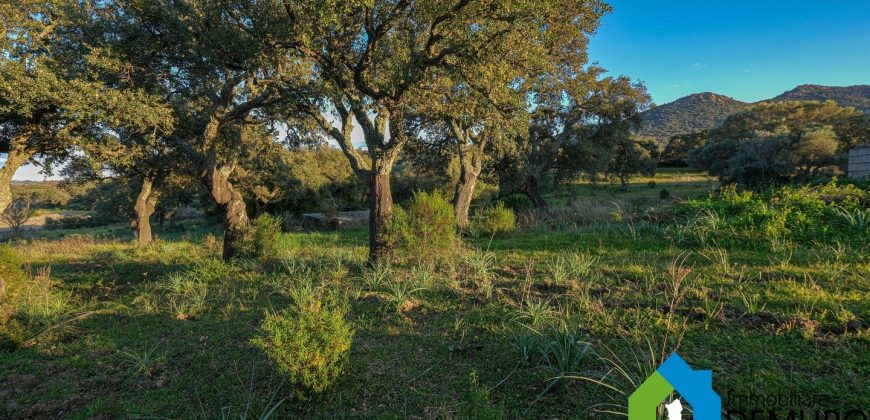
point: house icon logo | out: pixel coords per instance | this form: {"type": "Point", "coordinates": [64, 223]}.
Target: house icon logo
{"type": "Point", "coordinates": [696, 386]}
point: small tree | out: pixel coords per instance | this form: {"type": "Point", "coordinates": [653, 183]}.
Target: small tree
{"type": "Point", "coordinates": [18, 213]}
{"type": "Point", "coordinates": [676, 152]}
{"type": "Point", "coordinates": [813, 150]}
{"type": "Point", "coordinates": [633, 155]}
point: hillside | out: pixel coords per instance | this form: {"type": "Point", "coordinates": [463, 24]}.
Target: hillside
{"type": "Point", "coordinates": [689, 114]}
{"type": "Point", "coordinates": [703, 111]}
{"type": "Point", "coordinates": [857, 96]}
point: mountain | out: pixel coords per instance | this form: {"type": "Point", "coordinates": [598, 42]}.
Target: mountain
{"type": "Point", "coordinates": [702, 111]}
{"type": "Point", "coordinates": [857, 96]}
{"type": "Point", "coordinates": [696, 112]}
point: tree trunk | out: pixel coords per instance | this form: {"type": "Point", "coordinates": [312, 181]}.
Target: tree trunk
{"type": "Point", "coordinates": [532, 189]}
{"type": "Point", "coordinates": [380, 211]}
{"type": "Point", "coordinates": [464, 193]}
{"type": "Point", "coordinates": [217, 179]}
{"type": "Point", "coordinates": [225, 195]}
{"type": "Point", "coordinates": [17, 156]}
{"type": "Point", "coordinates": [145, 204]}
{"type": "Point", "coordinates": [469, 147]}
{"type": "Point", "coordinates": [258, 208]}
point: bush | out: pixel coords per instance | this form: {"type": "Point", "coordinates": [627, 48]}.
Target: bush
{"type": "Point", "coordinates": [517, 202]}
{"type": "Point", "coordinates": [18, 213]}
{"type": "Point", "coordinates": [664, 194]}
{"type": "Point", "coordinates": [68, 222]}
{"type": "Point", "coordinates": [494, 220]}
{"type": "Point", "coordinates": [426, 229]}
{"type": "Point", "coordinates": [309, 341]}
{"type": "Point", "coordinates": [260, 239]}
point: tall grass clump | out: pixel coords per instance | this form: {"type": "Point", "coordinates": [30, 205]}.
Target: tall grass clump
{"type": "Point", "coordinates": [310, 340]}
{"type": "Point", "coordinates": [571, 266]}
{"type": "Point", "coordinates": [186, 295]}
{"type": "Point", "coordinates": [622, 370]}
{"type": "Point", "coordinates": [480, 266]}
{"type": "Point", "coordinates": [30, 305]}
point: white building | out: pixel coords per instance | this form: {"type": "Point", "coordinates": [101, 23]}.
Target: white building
{"type": "Point", "coordinates": [859, 161]}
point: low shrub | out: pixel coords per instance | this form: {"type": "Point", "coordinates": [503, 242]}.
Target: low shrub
{"type": "Point", "coordinates": [68, 222]}
{"type": "Point", "coordinates": [477, 402]}
{"type": "Point", "coordinates": [494, 220]}
{"type": "Point", "coordinates": [309, 341]}
{"type": "Point", "coordinates": [260, 239]}
{"type": "Point", "coordinates": [427, 229]}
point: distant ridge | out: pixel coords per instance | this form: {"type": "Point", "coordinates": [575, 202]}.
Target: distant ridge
{"type": "Point", "coordinates": [689, 114]}
{"type": "Point", "coordinates": [857, 96]}
{"type": "Point", "coordinates": [702, 111]}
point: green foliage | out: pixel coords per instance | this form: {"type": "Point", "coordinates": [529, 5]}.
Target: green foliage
{"type": "Point", "coordinates": [309, 341]}
{"type": "Point", "coordinates": [106, 202]}
{"type": "Point", "coordinates": [304, 179]}
{"type": "Point", "coordinates": [427, 229]}
{"type": "Point", "coordinates": [260, 238]}
{"type": "Point", "coordinates": [804, 213]}
{"type": "Point", "coordinates": [633, 155]}
{"type": "Point", "coordinates": [805, 294]}
{"type": "Point", "coordinates": [776, 142]}
{"type": "Point", "coordinates": [517, 202]}
{"type": "Point", "coordinates": [678, 148]}
{"type": "Point", "coordinates": [47, 193]}
{"type": "Point", "coordinates": [494, 220]}
{"type": "Point", "coordinates": [398, 292]}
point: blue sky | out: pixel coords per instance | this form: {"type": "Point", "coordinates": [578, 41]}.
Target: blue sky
{"type": "Point", "coordinates": [749, 50]}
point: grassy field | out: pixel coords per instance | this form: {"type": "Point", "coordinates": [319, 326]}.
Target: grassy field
{"type": "Point", "coordinates": [167, 331]}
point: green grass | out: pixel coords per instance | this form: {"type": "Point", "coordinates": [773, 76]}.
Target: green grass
{"type": "Point", "coordinates": [173, 335]}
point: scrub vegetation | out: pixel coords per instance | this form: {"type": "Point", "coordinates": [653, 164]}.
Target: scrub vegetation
{"type": "Point", "coordinates": [561, 317]}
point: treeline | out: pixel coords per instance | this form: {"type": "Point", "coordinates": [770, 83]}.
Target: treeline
{"type": "Point", "coordinates": [218, 93]}
{"type": "Point", "coordinates": [263, 105]}
{"type": "Point", "coordinates": [774, 142]}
